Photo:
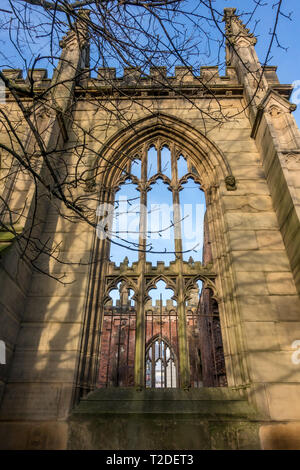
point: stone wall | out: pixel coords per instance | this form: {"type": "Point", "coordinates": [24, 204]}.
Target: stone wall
{"type": "Point", "coordinates": [254, 235]}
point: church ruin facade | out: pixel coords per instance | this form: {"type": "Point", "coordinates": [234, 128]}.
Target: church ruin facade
{"type": "Point", "coordinates": [95, 358]}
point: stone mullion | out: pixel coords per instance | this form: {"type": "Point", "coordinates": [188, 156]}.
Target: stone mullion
{"type": "Point", "coordinates": [176, 206]}
{"type": "Point", "coordinates": [184, 363]}
{"type": "Point", "coordinates": [158, 156]}
{"type": "Point", "coordinates": [139, 360]}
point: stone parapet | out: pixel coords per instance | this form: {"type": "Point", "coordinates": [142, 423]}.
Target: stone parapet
{"type": "Point", "coordinates": [150, 419]}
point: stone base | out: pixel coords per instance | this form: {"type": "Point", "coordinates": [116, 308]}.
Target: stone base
{"type": "Point", "coordinates": [163, 419]}
{"type": "Point", "coordinates": [43, 435]}
{"type": "Point", "coordinates": [125, 419]}
{"type": "Point", "coordinates": [280, 436]}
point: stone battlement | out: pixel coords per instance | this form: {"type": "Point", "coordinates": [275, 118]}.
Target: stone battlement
{"type": "Point", "coordinates": [158, 76]}
{"type": "Point", "coordinates": [133, 78]}
{"type": "Point", "coordinates": [39, 77]}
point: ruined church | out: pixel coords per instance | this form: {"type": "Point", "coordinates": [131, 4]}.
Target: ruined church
{"type": "Point", "coordinates": [95, 357]}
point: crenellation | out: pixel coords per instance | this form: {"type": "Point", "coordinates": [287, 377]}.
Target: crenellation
{"type": "Point", "coordinates": [184, 74]}
{"type": "Point", "coordinates": [271, 75]}
{"type": "Point", "coordinates": [13, 74]}
{"type": "Point", "coordinates": [132, 75]}
{"type": "Point", "coordinates": [37, 75]}
{"type": "Point", "coordinates": [209, 75]}
{"type": "Point", "coordinates": [231, 75]}
{"type": "Point", "coordinates": [158, 73]}
{"type": "Point", "coordinates": [106, 73]}
{"type": "Point", "coordinates": [84, 77]}
{"type": "Point", "coordinates": [158, 78]}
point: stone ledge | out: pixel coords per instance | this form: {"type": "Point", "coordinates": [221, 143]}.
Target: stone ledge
{"type": "Point", "coordinates": [171, 419]}
{"type": "Point", "coordinates": [210, 402]}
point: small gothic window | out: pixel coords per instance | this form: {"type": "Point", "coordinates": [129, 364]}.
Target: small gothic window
{"type": "Point", "coordinates": [135, 168]}
{"type": "Point", "coordinates": [152, 162]}
{"type": "Point", "coordinates": [182, 168]}
{"type": "Point", "coordinates": [166, 167]}
{"type": "Point", "coordinates": [160, 365]}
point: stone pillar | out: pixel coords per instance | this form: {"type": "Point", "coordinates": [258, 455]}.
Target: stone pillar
{"type": "Point", "coordinates": [274, 130]}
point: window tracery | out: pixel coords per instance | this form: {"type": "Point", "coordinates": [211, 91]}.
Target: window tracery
{"type": "Point", "coordinates": [160, 174]}
{"type": "Point", "coordinates": [161, 370]}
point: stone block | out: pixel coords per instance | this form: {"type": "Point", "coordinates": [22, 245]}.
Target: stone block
{"type": "Point", "coordinates": [247, 203]}
{"type": "Point", "coordinates": [43, 366]}
{"type": "Point", "coordinates": [251, 283]}
{"type": "Point", "coordinates": [242, 240]}
{"type": "Point", "coordinates": [281, 283]}
{"type": "Point", "coordinates": [250, 221]}
{"type": "Point", "coordinates": [237, 159]}
{"type": "Point", "coordinates": [33, 436]}
{"type": "Point", "coordinates": [287, 306]}
{"type": "Point", "coordinates": [9, 326]}
{"type": "Point", "coordinates": [273, 366]}
{"type": "Point", "coordinates": [76, 240]}
{"type": "Point", "coordinates": [280, 436]}
{"type": "Point", "coordinates": [51, 336]}
{"type": "Point", "coordinates": [18, 270]}
{"type": "Point", "coordinates": [221, 135]}
{"type": "Point", "coordinates": [257, 308]}
{"type": "Point", "coordinates": [14, 303]}
{"type": "Point", "coordinates": [269, 240]}
{"type": "Point", "coordinates": [263, 261]}
{"type": "Point", "coordinates": [258, 397]}
{"type": "Point", "coordinates": [260, 336]}
{"type": "Point", "coordinates": [269, 307]}
{"type": "Point", "coordinates": [294, 177]}
{"type": "Point", "coordinates": [297, 195]}
{"type": "Point", "coordinates": [249, 188]}
{"type": "Point", "coordinates": [249, 172]}
{"type": "Point", "coordinates": [76, 262]}
{"type": "Point", "coordinates": [237, 145]}
{"type": "Point", "coordinates": [288, 332]}
{"type": "Point", "coordinates": [72, 288]}
{"type": "Point", "coordinates": [30, 401]}
{"type": "Point", "coordinates": [54, 308]}
{"type": "Point", "coordinates": [284, 401]}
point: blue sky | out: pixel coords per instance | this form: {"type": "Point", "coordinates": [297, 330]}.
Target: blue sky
{"type": "Point", "coordinates": [286, 59]}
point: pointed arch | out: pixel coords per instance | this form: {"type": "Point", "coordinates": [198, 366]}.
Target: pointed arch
{"type": "Point", "coordinates": [205, 155]}
{"type": "Point", "coordinates": [161, 363]}
{"type": "Point", "coordinates": [208, 166]}
{"type": "Point", "coordinates": [152, 285]}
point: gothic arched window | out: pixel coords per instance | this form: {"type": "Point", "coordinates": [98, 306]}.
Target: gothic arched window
{"type": "Point", "coordinates": [157, 234]}
{"type": "Point", "coordinates": [161, 370]}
